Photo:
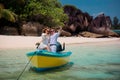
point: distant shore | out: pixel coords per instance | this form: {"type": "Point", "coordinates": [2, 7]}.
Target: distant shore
{"type": "Point", "coordinates": [15, 42]}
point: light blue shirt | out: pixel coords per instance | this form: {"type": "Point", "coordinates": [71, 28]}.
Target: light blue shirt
{"type": "Point", "coordinates": [54, 37]}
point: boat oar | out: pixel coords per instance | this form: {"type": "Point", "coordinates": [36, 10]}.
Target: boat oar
{"type": "Point", "coordinates": [25, 66]}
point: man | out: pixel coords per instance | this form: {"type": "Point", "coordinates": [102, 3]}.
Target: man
{"type": "Point", "coordinates": [53, 39]}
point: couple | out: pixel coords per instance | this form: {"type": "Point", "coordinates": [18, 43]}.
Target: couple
{"type": "Point", "coordinates": [49, 39]}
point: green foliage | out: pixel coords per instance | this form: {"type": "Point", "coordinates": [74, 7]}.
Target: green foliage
{"type": "Point", "coordinates": [115, 21]}
{"type": "Point", "coordinates": [15, 6]}
{"type": "Point", "coordinates": [51, 10]}
{"type": "Point", "coordinates": [116, 24]}
{"type": "Point", "coordinates": [8, 15]}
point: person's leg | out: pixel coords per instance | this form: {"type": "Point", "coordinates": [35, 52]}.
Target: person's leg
{"type": "Point", "coordinates": [48, 48]}
{"type": "Point", "coordinates": [53, 48]}
{"type": "Point", "coordinates": [43, 47]}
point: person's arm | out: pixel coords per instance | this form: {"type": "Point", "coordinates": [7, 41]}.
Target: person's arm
{"type": "Point", "coordinates": [60, 30]}
{"type": "Point", "coordinates": [43, 36]}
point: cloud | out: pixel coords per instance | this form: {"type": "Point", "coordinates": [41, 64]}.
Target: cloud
{"type": "Point", "coordinates": [100, 13]}
{"type": "Point", "coordinates": [96, 14]}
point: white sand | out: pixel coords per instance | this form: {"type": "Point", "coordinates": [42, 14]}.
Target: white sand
{"type": "Point", "coordinates": [7, 42]}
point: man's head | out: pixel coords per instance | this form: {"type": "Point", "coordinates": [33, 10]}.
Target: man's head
{"type": "Point", "coordinates": [52, 31]}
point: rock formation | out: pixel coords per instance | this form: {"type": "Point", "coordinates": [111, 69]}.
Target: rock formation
{"type": "Point", "coordinates": [32, 29]}
{"type": "Point", "coordinates": [80, 21]}
{"type": "Point", "coordinates": [102, 25]}
{"type": "Point", "coordinates": [91, 35]}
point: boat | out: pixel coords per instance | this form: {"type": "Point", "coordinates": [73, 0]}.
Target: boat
{"type": "Point", "coordinates": [42, 60]}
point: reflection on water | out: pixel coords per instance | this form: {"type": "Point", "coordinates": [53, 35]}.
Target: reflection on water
{"type": "Point", "coordinates": [99, 61]}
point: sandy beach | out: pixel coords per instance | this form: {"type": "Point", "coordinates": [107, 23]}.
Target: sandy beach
{"type": "Point", "coordinates": [9, 42]}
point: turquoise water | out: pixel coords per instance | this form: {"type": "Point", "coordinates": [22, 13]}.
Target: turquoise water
{"type": "Point", "coordinates": [117, 31]}
{"type": "Point", "coordinates": [92, 61]}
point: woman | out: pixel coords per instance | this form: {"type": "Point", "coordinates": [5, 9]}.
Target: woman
{"type": "Point", "coordinates": [45, 40]}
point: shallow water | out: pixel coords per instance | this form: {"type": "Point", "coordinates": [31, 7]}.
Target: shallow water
{"type": "Point", "coordinates": [92, 61]}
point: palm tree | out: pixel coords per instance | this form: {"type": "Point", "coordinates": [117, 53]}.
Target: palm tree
{"type": "Point", "coordinates": [7, 14]}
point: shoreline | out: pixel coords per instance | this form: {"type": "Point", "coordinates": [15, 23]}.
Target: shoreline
{"type": "Point", "coordinates": [16, 42]}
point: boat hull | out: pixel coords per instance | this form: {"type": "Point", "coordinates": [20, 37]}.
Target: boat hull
{"type": "Point", "coordinates": [44, 60]}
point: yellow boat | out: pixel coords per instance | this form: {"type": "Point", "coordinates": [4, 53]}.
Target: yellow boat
{"type": "Point", "coordinates": [42, 60]}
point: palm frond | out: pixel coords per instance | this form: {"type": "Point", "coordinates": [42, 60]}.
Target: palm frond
{"type": "Point", "coordinates": [8, 15]}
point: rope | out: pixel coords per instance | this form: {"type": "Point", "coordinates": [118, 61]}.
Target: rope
{"type": "Point", "coordinates": [25, 67]}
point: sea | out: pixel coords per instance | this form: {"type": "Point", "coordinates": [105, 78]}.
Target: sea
{"type": "Point", "coordinates": [89, 61]}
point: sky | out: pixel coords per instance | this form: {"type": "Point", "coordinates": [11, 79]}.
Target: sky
{"type": "Point", "coordinates": [95, 7]}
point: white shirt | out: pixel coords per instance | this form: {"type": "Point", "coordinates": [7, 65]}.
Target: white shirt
{"type": "Point", "coordinates": [45, 38]}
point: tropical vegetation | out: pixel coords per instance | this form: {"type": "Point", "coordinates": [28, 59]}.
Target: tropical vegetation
{"type": "Point", "coordinates": [116, 23]}
{"type": "Point", "coordinates": [47, 12]}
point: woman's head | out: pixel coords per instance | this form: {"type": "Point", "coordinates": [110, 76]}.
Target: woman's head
{"type": "Point", "coordinates": [46, 30]}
